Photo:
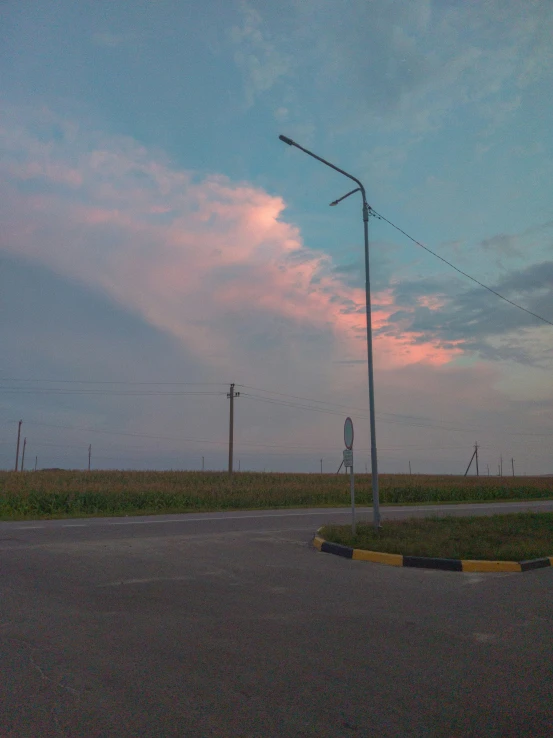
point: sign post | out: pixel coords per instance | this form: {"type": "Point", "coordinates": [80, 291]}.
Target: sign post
{"type": "Point", "coordinates": [348, 462]}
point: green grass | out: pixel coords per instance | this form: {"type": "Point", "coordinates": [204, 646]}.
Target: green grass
{"type": "Point", "coordinates": [513, 537]}
{"type": "Point", "coordinates": [57, 494]}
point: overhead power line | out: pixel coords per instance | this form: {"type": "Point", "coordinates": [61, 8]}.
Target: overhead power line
{"type": "Point", "coordinates": [468, 276]}
{"type": "Point", "coordinates": [244, 443]}
{"type": "Point", "coordinates": [118, 393]}
{"type": "Point", "coordinates": [328, 411]}
{"type": "Point", "coordinates": [358, 413]}
{"type": "Point", "coordinates": [140, 393]}
{"type": "Point", "coordinates": [165, 438]}
{"type": "Point", "coordinates": [356, 410]}
{"type": "Point", "coordinates": [106, 381]}
{"type": "Point", "coordinates": [391, 418]}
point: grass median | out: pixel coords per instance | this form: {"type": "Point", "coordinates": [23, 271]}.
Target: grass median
{"type": "Point", "coordinates": [66, 493]}
{"type": "Point", "coordinates": [512, 537]}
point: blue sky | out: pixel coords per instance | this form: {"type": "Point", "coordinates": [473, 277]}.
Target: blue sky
{"type": "Point", "coordinates": [156, 231]}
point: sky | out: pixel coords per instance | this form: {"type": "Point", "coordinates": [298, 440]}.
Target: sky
{"type": "Point", "coordinates": [159, 242]}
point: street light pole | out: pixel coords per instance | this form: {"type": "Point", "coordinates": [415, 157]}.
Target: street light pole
{"type": "Point", "coordinates": [366, 213]}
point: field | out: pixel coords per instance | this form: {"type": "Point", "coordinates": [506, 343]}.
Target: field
{"type": "Point", "coordinates": [57, 494]}
{"type": "Point", "coordinates": [516, 537]}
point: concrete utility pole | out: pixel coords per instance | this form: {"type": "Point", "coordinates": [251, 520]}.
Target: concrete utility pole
{"type": "Point", "coordinates": [321, 466]}
{"type": "Point", "coordinates": [89, 454]}
{"type": "Point", "coordinates": [513, 466]}
{"type": "Point", "coordinates": [488, 469]}
{"type": "Point", "coordinates": [231, 395]}
{"type": "Point", "coordinates": [36, 462]}
{"type": "Point", "coordinates": [17, 451]}
{"type": "Point", "coordinates": [409, 468]}
{"type": "Point", "coordinates": [23, 454]}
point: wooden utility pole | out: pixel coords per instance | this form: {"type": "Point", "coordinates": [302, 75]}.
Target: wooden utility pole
{"type": "Point", "coordinates": [321, 466]}
{"type": "Point", "coordinates": [36, 462]}
{"type": "Point", "coordinates": [89, 454]}
{"type": "Point", "coordinates": [231, 395]}
{"type": "Point", "coordinates": [23, 454]}
{"type": "Point", "coordinates": [513, 466]}
{"type": "Point", "coordinates": [202, 463]}
{"type": "Point", "coordinates": [476, 456]}
{"type": "Point", "coordinates": [501, 465]}
{"type": "Point", "coordinates": [17, 451]}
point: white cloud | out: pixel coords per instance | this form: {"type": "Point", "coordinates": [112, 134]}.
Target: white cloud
{"type": "Point", "coordinates": [261, 62]}
{"type": "Point", "coordinates": [411, 66]}
{"type": "Point", "coordinates": [282, 114]}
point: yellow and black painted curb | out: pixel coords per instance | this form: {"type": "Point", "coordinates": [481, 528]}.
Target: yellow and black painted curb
{"type": "Point", "coordinates": [423, 562]}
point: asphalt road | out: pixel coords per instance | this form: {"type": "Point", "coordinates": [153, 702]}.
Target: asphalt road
{"type": "Point", "coordinates": [230, 624]}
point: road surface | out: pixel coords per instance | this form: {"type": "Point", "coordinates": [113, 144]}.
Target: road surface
{"type": "Point", "coordinates": [230, 624]}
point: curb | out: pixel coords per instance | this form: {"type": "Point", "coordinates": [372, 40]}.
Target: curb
{"type": "Point", "coordinates": [422, 562]}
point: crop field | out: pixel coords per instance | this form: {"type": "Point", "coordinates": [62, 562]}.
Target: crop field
{"type": "Point", "coordinates": [56, 494]}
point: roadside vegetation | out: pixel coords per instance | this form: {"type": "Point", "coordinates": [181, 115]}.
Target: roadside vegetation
{"type": "Point", "coordinates": [513, 537]}
{"type": "Point", "coordinates": [55, 494]}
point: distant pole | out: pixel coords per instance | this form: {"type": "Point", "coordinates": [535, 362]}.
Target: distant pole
{"type": "Point", "coordinates": [470, 462]}
{"type": "Point", "coordinates": [488, 469]}
{"type": "Point", "coordinates": [476, 454]}
{"type": "Point", "coordinates": [409, 468]}
{"type": "Point", "coordinates": [513, 466]}
{"type": "Point", "coordinates": [36, 462]}
{"type": "Point", "coordinates": [321, 466]}
{"type": "Point", "coordinates": [17, 451]}
{"type": "Point", "coordinates": [231, 395]}
{"type": "Point", "coordinates": [238, 464]}
{"type": "Point", "coordinates": [23, 454]}
{"type": "Point", "coordinates": [89, 455]}
{"type": "Point", "coordinates": [202, 463]}
{"type": "Point", "coordinates": [501, 465]}
{"type": "Point", "coordinates": [499, 470]}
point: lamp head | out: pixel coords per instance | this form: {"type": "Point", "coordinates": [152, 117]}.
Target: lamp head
{"type": "Point", "coordinates": [357, 189]}
{"type": "Point", "coordinates": [287, 140]}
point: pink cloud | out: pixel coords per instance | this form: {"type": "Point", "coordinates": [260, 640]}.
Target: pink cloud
{"type": "Point", "coordinates": [192, 257]}
{"type": "Point", "coordinates": [432, 302]}
{"type": "Point", "coordinates": [49, 171]}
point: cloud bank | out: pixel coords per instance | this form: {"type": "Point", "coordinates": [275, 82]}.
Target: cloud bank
{"type": "Point", "coordinates": [210, 261]}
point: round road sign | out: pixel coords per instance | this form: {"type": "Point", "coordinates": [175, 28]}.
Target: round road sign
{"type": "Point", "coordinates": [348, 433]}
